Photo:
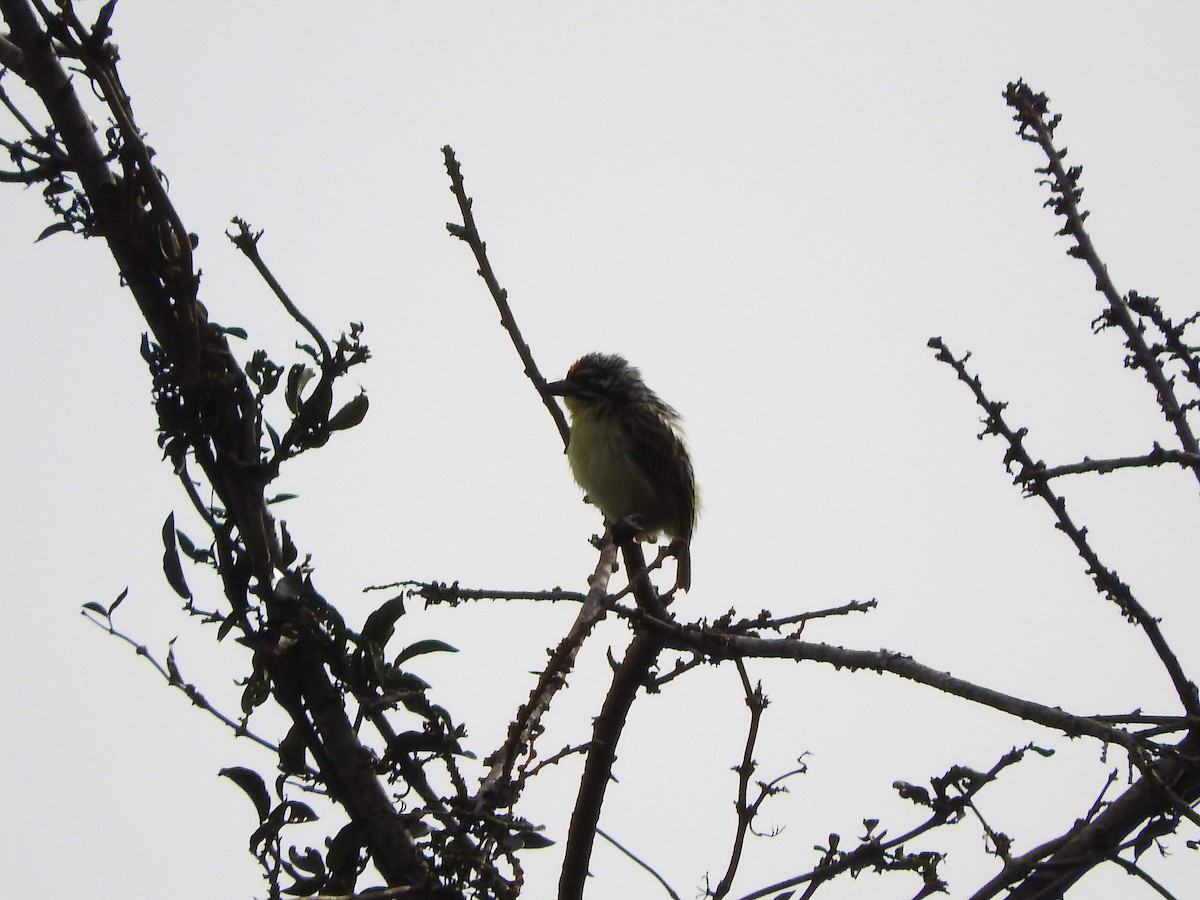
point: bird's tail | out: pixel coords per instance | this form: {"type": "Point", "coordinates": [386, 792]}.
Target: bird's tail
{"type": "Point", "coordinates": [683, 563]}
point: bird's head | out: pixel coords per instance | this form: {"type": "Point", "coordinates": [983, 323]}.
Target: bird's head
{"type": "Point", "coordinates": [600, 380]}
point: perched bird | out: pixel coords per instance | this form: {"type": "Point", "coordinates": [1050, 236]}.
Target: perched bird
{"type": "Point", "coordinates": [626, 451]}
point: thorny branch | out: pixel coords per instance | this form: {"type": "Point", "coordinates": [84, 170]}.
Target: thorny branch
{"type": "Point", "coordinates": [628, 678]}
{"type": "Point", "coordinates": [498, 789]}
{"type": "Point", "coordinates": [171, 675]}
{"type": "Point", "coordinates": [1029, 477]}
{"type": "Point", "coordinates": [756, 702]}
{"type": "Point", "coordinates": [212, 422]}
{"type": "Point", "coordinates": [1035, 124]}
{"type": "Point", "coordinates": [469, 233]}
{"type": "Point", "coordinates": [952, 793]}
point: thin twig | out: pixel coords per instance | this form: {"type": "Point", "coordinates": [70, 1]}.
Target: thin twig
{"type": "Point", "coordinates": [875, 849]}
{"type": "Point", "coordinates": [1156, 457]}
{"type": "Point", "coordinates": [765, 621]}
{"type": "Point", "coordinates": [1138, 871]}
{"type": "Point", "coordinates": [756, 702]}
{"type": "Point", "coordinates": [1021, 866]}
{"type": "Point", "coordinates": [641, 862]}
{"type": "Point", "coordinates": [247, 241]}
{"type": "Point", "coordinates": [188, 689]}
{"type": "Point", "coordinates": [469, 233]}
{"type": "Point", "coordinates": [1187, 355]}
{"type": "Point", "coordinates": [555, 758]}
{"type": "Point", "coordinates": [434, 592]}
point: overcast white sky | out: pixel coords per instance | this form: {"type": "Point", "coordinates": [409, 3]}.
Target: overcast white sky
{"type": "Point", "coordinates": [769, 208]}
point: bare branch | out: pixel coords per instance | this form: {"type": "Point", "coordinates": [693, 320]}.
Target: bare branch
{"type": "Point", "coordinates": [756, 702]}
{"type": "Point", "coordinates": [727, 647]}
{"type": "Point", "coordinates": [641, 862]}
{"type": "Point", "coordinates": [470, 233]}
{"type": "Point", "coordinates": [1156, 457]}
{"type": "Point", "coordinates": [955, 790]}
{"type": "Point", "coordinates": [11, 56]}
{"type": "Point", "coordinates": [1174, 344]}
{"type": "Point", "coordinates": [246, 240]}
{"type": "Point", "coordinates": [1134, 869]}
{"type": "Point", "coordinates": [434, 592]}
{"type": "Point", "coordinates": [171, 676]}
{"type": "Point", "coordinates": [1029, 477]}
{"type": "Point", "coordinates": [765, 620]}
{"type": "Point", "coordinates": [628, 678]}
{"type": "Point", "coordinates": [1036, 125]}
{"type": "Point", "coordinates": [498, 789]}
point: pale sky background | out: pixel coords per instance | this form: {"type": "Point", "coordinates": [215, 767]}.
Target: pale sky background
{"type": "Point", "coordinates": [767, 207]}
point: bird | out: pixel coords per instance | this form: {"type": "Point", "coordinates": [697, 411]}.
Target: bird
{"type": "Point", "coordinates": [627, 452]}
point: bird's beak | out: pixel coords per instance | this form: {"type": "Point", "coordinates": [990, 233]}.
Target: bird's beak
{"type": "Point", "coordinates": [564, 388]}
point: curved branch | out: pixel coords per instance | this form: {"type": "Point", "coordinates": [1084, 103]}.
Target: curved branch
{"type": "Point", "coordinates": [640, 862]}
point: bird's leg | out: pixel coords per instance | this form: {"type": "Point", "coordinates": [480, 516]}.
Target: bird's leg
{"type": "Point", "coordinates": [625, 529]}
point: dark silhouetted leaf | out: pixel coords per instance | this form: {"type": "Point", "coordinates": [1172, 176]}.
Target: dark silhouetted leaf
{"type": "Point", "coordinates": [171, 567]}
{"type": "Point", "coordinates": [121, 596]}
{"type": "Point", "coordinates": [381, 624]}
{"type": "Point", "coordinates": [298, 376]}
{"type": "Point", "coordinates": [95, 607]}
{"type": "Point", "coordinates": [252, 783]}
{"type": "Point", "coordinates": [172, 667]}
{"type": "Point", "coordinates": [295, 811]}
{"type": "Point", "coordinates": [1152, 831]}
{"type": "Point", "coordinates": [344, 851]}
{"type": "Point", "coordinates": [287, 548]}
{"type": "Point", "coordinates": [189, 549]}
{"type": "Point", "coordinates": [257, 690]}
{"type": "Point", "coordinates": [305, 887]}
{"type": "Point", "coordinates": [292, 749]}
{"type": "Point", "coordinates": [398, 680]}
{"type": "Point", "coordinates": [350, 414]}
{"type": "Point", "coordinates": [309, 861]}
{"type": "Point", "coordinates": [56, 228]}
{"type": "Point", "coordinates": [422, 647]}
{"type": "Point", "coordinates": [280, 498]}
{"type": "Point", "coordinates": [912, 792]}
{"type": "Point", "coordinates": [415, 742]}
